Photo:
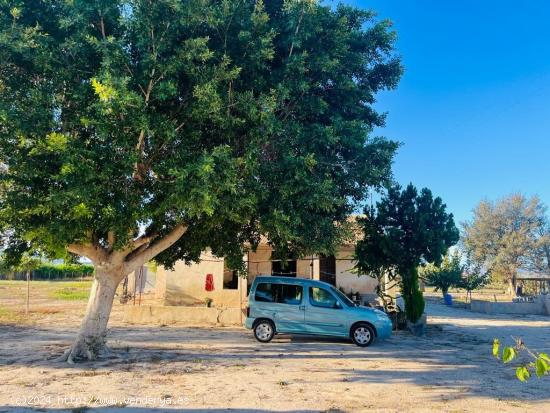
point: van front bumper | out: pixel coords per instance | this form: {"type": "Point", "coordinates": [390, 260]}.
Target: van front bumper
{"type": "Point", "coordinates": [248, 322]}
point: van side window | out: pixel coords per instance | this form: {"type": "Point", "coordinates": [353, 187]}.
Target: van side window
{"type": "Point", "coordinates": [291, 294]}
{"type": "Point", "coordinates": [278, 293]}
{"type": "Point", "coordinates": [264, 293]}
{"type": "Point", "coordinates": [319, 297]}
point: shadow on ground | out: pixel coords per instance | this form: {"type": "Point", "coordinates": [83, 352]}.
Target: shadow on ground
{"type": "Point", "coordinates": [458, 359]}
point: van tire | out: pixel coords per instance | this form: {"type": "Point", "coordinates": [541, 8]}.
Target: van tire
{"type": "Point", "coordinates": [264, 330]}
{"type": "Point", "coordinates": [362, 334]}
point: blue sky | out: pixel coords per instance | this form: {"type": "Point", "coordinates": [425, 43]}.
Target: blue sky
{"type": "Point", "coordinates": [473, 107]}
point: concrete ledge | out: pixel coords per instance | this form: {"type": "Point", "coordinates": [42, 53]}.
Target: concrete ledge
{"type": "Point", "coordinates": [489, 307]}
{"type": "Point", "coordinates": [147, 314]}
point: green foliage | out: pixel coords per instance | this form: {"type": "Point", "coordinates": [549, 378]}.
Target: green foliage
{"type": "Point", "coordinates": [405, 229]}
{"type": "Point", "coordinates": [414, 300]}
{"type": "Point", "coordinates": [540, 363]}
{"type": "Point", "coordinates": [61, 271]}
{"type": "Point", "coordinates": [522, 373]}
{"type": "Point", "coordinates": [71, 294]}
{"type": "Point", "coordinates": [446, 275]}
{"type": "Point", "coordinates": [508, 354]}
{"type": "Point", "coordinates": [45, 270]}
{"type": "Point", "coordinates": [496, 347]}
{"type": "Point", "coordinates": [233, 119]}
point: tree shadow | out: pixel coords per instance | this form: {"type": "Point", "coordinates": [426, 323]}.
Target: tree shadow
{"type": "Point", "coordinates": [454, 360]}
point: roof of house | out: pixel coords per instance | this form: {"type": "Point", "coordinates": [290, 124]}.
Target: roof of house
{"type": "Point", "coordinates": [532, 275]}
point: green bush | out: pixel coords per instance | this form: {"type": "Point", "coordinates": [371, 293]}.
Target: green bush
{"type": "Point", "coordinates": [49, 271]}
{"type": "Point", "coordinates": [62, 271]}
{"type": "Point", "coordinates": [414, 300]}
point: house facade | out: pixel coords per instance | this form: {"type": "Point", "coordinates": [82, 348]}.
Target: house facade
{"type": "Point", "coordinates": [210, 282]}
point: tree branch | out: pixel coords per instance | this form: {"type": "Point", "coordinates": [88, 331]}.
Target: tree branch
{"type": "Point", "coordinates": [93, 252]}
{"type": "Point", "coordinates": [111, 239]}
{"type": "Point", "coordinates": [296, 31]}
{"type": "Point", "coordinates": [141, 256]}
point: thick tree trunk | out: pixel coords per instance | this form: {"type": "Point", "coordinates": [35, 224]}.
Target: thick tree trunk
{"type": "Point", "coordinates": [111, 266]}
{"type": "Point", "coordinates": [90, 341]}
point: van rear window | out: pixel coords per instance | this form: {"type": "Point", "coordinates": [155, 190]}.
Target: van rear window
{"type": "Point", "coordinates": [278, 293]}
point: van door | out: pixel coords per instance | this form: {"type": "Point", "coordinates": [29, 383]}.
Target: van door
{"type": "Point", "coordinates": [325, 314]}
{"type": "Point", "coordinates": [282, 303]}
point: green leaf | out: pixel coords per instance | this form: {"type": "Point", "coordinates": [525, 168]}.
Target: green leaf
{"type": "Point", "coordinates": [496, 347]}
{"type": "Point", "coordinates": [509, 354]}
{"type": "Point", "coordinates": [541, 367]}
{"type": "Point", "coordinates": [522, 373]}
{"type": "Point", "coordinates": [544, 357]}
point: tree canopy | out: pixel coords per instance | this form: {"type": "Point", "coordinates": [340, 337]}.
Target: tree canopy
{"type": "Point", "coordinates": [509, 234]}
{"type": "Point", "coordinates": [405, 229]}
{"type": "Point", "coordinates": [139, 129]}
{"type": "Point", "coordinates": [231, 118]}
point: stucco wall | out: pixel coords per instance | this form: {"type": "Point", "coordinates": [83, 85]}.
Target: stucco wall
{"type": "Point", "coordinates": [348, 280]}
{"type": "Point", "coordinates": [185, 285]}
{"type": "Point", "coordinates": [304, 269]}
{"type": "Point", "coordinates": [259, 263]}
{"type": "Point", "coordinates": [179, 314]}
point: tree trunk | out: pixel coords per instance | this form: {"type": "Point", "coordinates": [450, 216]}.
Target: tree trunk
{"type": "Point", "coordinates": [90, 341]}
{"type": "Point", "coordinates": [512, 285]}
{"type": "Point", "coordinates": [111, 266]}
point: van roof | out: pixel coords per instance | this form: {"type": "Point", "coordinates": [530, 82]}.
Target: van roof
{"type": "Point", "coordinates": [291, 280]}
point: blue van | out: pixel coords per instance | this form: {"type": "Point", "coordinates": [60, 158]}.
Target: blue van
{"type": "Point", "coordinates": [300, 306]}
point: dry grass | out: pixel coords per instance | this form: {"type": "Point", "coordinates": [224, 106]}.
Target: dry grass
{"type": "Point", "coordinates": [9, 316]}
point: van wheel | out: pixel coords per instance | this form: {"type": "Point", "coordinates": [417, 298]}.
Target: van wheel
{"type": "Point", "coordinates": [264, 331]}
{"type": "Point", "coordinates": [362, 335]}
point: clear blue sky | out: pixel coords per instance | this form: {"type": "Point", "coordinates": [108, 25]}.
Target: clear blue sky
{"type": "Point", "coordinates": [473, 107]}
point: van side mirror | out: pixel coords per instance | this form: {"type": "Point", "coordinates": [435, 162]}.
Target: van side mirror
{"type": "Point", "coordinates": [337, 305]}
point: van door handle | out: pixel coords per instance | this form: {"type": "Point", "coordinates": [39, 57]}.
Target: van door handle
{"type": "Point", "coordinates": [302, 307]}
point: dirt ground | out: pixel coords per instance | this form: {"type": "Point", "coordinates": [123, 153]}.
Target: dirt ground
{"type": "Point", "coordinates": [204, 368]}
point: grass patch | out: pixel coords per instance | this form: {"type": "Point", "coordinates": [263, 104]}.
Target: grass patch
{"type": "Point", "coordinates": [7, 315]}
{"type": "Point", "coordinates": [70, 294]}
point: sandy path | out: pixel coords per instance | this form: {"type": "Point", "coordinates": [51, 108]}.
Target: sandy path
{"type": "Point", "coordinates": [213, 369]}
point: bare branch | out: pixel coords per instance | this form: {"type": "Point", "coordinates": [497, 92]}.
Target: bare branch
{"type": "Point", "coordinates": [141, 256]}
{"type": "Point", "coordinates": [297, 30]}
{"type": "Point", "coordinates": [102, 28]}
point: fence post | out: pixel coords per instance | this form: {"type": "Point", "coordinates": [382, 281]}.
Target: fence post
{"type": "Point", "coordinates": [28, 292]}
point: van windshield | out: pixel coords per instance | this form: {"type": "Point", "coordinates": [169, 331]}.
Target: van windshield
{"type": "Point", "coordinates": [343, 297]}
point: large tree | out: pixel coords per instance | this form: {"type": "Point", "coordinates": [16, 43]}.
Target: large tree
{"type": "Point", "coordinates": [140, 129]}
{"type": "Point", "coordinates": [509, 234]}
{"type": "Point", "coordinates": [405, 229]}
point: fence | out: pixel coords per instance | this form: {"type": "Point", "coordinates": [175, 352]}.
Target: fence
{"type": "Point", "coordinates": [52, 272]}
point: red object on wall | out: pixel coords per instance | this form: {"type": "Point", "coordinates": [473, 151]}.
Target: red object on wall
{"type": "Point", "coordinates": [209, 283]}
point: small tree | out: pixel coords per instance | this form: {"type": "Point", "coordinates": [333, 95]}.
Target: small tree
{"type": "Point", "coordinates": [404, 229]}
{"type": "Point", "coordinates": [473, 276]}
{"type": "Point", "coordinates": [444, 276]}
